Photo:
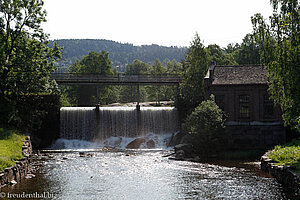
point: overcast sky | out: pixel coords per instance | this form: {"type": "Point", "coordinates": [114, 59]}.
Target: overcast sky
{"type": "Point", "coordinates": [163, 22]}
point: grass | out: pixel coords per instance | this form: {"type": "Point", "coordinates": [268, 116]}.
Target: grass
{"type": "Point", "coordinates": [288, 154]}
{"type": "Point", "coordinates": [11, 143]}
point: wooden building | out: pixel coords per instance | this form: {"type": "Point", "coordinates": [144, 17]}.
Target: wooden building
{"type": "Point", "coordinates": [241, 92]}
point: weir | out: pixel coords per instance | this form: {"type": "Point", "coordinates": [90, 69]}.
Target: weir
{"type": "Point", "coordinates": [100, 123]}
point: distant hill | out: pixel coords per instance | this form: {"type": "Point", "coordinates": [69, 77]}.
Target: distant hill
{"type": "Point", "coordinates": [120, 54]}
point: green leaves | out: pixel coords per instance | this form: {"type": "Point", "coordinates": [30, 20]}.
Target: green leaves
{"type": "Point", "coordinates": [93, 63]}
{"type": "Point", "coordinates": [26, 61]}
{"type": "Point", "coordinates": [195, 67]}
{"type": "Point", "coordinates": [137, 67]}
{"type": "Point", "coordinates": [280, 50]}
{"type": "Point", "coordinates": [206, 125]}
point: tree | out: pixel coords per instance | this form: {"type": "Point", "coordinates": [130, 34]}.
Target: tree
{"type": "Point", "coordinates": [137, 67]}
{"type": "Point", "coordinates": [280, 41]}
{"type": "Point", "coordinates": [231, 48]}
{"type": "Point", "coordinates": [195, 67]}
{"type": "Point", "coordinates": [206, 125]}
{"type": "Point", "coordinates": [218, 55]}
{"type": "Point", "coordinates": [156, 91]}
{"type": "Point", "coordinates": [25, 60]}
{"type": "Point", "coordinates": [93, 63]}
{"type": "Point", "coordinates": [174, 68]}
{"type": "Point", "coordinates": [129, 93]}
{"type": "Point", "coordinates": [248, 53]}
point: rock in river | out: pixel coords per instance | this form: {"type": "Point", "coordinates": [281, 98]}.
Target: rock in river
{"type": "Point", "coordinates": [135, 144]}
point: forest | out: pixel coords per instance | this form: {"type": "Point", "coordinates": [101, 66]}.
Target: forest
{"type": "Point", "coordinates": [120, 54]}
{"type": "Point", "coordinates": [28, 58]}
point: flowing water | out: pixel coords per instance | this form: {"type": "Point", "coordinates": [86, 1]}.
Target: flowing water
{"type": "Point", "coordinates": [92, 163]}
{"type": "Point", "coordinates": [88, 123]}
{"type": "Point", "coordinates": [144, 174]}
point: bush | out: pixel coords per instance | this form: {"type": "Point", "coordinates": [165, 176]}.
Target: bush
{"type": "Point", "coordinates": [206, 125]}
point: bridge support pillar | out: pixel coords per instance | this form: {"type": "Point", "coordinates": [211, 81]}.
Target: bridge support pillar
{"type": "Point", "coordinates": [138, 95]}
{"type": "Point", "coordinates": [97, 94]}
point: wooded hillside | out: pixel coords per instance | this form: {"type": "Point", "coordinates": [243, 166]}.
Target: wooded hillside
{"type": "Point", "coordinates": [120, 54]}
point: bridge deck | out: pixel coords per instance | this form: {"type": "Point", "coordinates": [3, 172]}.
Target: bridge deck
{"type": "Point", "coordinates": [68, 78]}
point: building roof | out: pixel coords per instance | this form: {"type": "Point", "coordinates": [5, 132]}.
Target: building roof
{"type": "Point", "coordinates": [236, 75]}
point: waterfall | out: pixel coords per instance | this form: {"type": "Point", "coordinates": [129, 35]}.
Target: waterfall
{"type": "Point", "coordinates": [91, 124]}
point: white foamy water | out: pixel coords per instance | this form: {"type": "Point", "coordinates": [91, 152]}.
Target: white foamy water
{"type": "Point", "coordinates": [160, 141]}
{"type": "Point", "coordinates": [86, 127]}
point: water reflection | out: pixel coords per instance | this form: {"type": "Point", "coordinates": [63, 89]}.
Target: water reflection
{"type": "Point", "coordinates": [144, 174]}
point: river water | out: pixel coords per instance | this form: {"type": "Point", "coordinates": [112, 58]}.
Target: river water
{"type": "Point", "coordinates": [143, 174]}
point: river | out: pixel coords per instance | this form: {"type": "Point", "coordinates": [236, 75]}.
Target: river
{"type": "Point", "coordinates": [143, 174]}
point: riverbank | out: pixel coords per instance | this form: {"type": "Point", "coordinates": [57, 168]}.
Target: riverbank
{"type": "Point", "coordinates": [11, 143]}
{"type": "Point", "coordinates": [15, 156]}
{"type": "Point", "coordinates": [288, 154]}
{"type": "Point", "coordinates": [283, 163]}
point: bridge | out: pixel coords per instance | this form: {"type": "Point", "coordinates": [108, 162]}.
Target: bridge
{"type": "Point", "coordinates": [121, 79]}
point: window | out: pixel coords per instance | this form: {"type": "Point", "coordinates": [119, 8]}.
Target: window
{"type": "Point", "coordinates": [268, 106]}
{"type": "Point", "coordinates": [220, 101]}
{"type": "Point", "coordinates": [244, 106]}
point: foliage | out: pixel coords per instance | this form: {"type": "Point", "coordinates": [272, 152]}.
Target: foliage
{"type": "Point", "coordinates": [280, 42]}
{"type": "Point", "coordinates": [129, 93]}
{"type": "Point", "coordinates": [219, 55]}
{"type": "Point", "coordinates": [156, 91]}
{"type": "Point", "coordinates": [121, 55]}
{"type": "Point", "coordinates": [26, 61]}
{"type": "Point", "coordinates": [195, 67]}
{"type": "Point", "coordinates": [93, 63]}
{"type": "Point", "coordinates": [10, 147]}
{"type": "Point", "coordinates": [137, 67]}
{"type": "Point", "coordinates": [174, 67]}
{"type": "Point", "coordinates": [248, 53]}
{"type": "Point", "coordinates": [288, 154]}
{"type": "Point", "coordinates": [245, 53]}
{"type": "Point", "coordinates": [64, 100]}
{"type": "Point", "coordinates": [206, 125]}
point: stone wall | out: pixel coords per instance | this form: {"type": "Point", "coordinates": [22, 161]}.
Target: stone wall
{"type": "Point", "coordinates": [284, 174]}
{"type": "Point", "coordinates": [21, 169]}
{"type": "Point", "coordinates": [255, 136]}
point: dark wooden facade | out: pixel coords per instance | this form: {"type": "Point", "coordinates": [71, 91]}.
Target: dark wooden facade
{"type": "Point", "coordinates": [241, 92]}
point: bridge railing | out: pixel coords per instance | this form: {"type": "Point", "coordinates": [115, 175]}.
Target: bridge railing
{"type": "Point", "coordinates": [71, 78]}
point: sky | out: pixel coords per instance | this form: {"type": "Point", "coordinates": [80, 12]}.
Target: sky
{"type": "Point", "coordinates": [162, 22]}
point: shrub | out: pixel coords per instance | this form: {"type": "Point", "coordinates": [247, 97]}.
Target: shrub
{"type": "Point", "coordinates": [206, 125]}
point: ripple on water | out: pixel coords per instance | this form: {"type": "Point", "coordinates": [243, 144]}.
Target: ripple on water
{"type": "Point", "coordinates": [146, 175]}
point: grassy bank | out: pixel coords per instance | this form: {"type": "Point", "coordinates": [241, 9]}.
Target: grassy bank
{"type": "Point", "coordinates": [11, 143]}
{"type": "Point", "coordinates": [288, 154]}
